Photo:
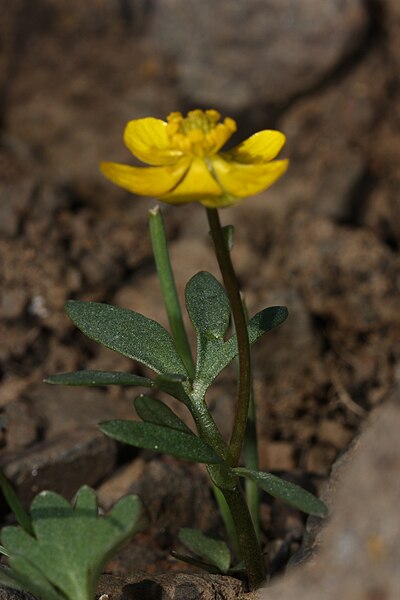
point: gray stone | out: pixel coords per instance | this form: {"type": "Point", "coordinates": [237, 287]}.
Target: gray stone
{"type": "Point", "coordinates": [62, 465]}
{"type": "Point", "coordinates": [238, 54]}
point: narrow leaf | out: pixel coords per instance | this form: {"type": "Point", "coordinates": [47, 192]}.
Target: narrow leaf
{"type": "Point", "coordinates": [3, 551]}
{"type": "Point", "coordinates": [98, 378]}
{"type": "Point", "coordinates": [212, 551]}
{"type": "Point", "coordinates": [154, 411]}
{"type": "Point", "coordinates": [172, 384]}
{"type": "Point", "coordinates": [190, 560]}
{"type": "Point", "coordinates": [161, 439]}
{"type": "Point", "coordinates": [15, 505]}
{"type": "Point", "coordinates": [128, 333]}
{"type": "Point", "coordinates": [285, 490]}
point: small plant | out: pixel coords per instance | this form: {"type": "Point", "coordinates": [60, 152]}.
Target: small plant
{"type": "Point", "coordinates": [58, 552]}
{"type": "Point", "coordinates": [186, 165]}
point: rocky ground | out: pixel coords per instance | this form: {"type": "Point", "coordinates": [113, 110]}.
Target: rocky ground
{"type": "Point", "coordinates": [324, 241]}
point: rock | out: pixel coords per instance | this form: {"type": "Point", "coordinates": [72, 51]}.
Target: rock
{"type": "Point", "coordinates": [174, 586]}
{"type": "Point", "coordinates": [62, 465]}
{"type": "Point", "coordinates": [358, 550]}
{"type": "Point", "coordinates": [238, 54]}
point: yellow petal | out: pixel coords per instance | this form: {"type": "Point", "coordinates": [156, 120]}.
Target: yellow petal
{"type": "Point", "coordinates": [197, 185]}
{"type": "Point", "coordinates": [145, 181]}
{"type": "Point", "coordinates": [259, 148]}
{"type": "Point", "coordinates": [147, 139]}
{"type": "Point", "coordinates": [244, 180]}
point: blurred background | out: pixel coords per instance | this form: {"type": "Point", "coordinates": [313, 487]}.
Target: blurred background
{"type": "Point", "coordinates": [324, 241]}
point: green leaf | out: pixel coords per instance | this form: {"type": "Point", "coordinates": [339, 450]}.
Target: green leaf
{"type": "Point", "coordinates": [128, 333]}
{"type": "Point", "coordinates": [212, 551]}
{"type": "Point", "coordinates": [172, 384]}
{"type": "Point", "coordinates": [70, 546]}
{"type": "Point", "coordinates": [15, 505]}
{"type": "Point", "coordinates": [154, 411]}
{"type": "Point", "coordinates": [289, 492]}
{"type": "Point", "coordinates": [161, 439]}
{"type": "Point", "coordinates": [209, 311]}
{"type": "Point", "coordinates": [200, 564]}
{"type": "Point", "coordinates": [98, 378]}
{"type": "Point", "coordinates": [264, 321]}
{"type": "Point", "coordinates": [3, 551]}
{"type": "Point", "coordinates": [207, 305]}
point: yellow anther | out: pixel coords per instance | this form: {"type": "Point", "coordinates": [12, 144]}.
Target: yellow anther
{"type": "Point", "coordinates": [200, 133]}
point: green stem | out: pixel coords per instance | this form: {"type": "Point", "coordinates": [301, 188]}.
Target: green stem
{"type": "Point", "coordinates": [248, 542]}
{"type": "Point", "coordinates": [239, 318]}
{"type": "Point", "coordinates": [168, 289]}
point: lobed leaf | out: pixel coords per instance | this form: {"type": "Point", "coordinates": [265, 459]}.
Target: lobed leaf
{"type": "Point", "coordinates": [69, 547]}
{"type": "Point", "coordinates": [285, 490]}
{"type": "Point", "coordinates": [263, 321]}
{"type": "Point", "coordinates": [161, 439]}
{"type": "Point", "coordinates": [129, 333]}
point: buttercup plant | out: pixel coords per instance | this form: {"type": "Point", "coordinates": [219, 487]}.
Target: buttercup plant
{"type": "Point", "coordinates": [186, 164]}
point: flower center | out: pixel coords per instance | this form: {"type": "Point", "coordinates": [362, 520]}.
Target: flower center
{"type": "Point", "coordinates": [200, 133]}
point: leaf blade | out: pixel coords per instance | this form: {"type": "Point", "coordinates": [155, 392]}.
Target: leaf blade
{"type": "Point", "coordinates": [160, 439]}
{"type": "Point", "coordinates": [212, 551]}
{"type": "Point", "coordinates": [98, 378]}
{"type": "Point", "coordinates": [152, 410]}
{"type": "Point", "coordinates": [285, 490]}
{"type": "Point", "coordinates": [127, 332]}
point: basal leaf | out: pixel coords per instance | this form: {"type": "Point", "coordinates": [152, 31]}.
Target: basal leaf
{"type": "Point", "coordinates": [285, 490]}
{"type": "Point", "coordinates": [128, 333]}
{"type": "Point", "coordinates": [212, 551]}
{"type": "Point", "coordinates": [160, 439]}
{"type": "Point", "coordinates": [98, 378]}
{"type": "Point", "coordinates": [154, 411]}
{"type": "Point", "coordinates": [196, 562]}
{"type": "Point", "coordinates": [70, 546]}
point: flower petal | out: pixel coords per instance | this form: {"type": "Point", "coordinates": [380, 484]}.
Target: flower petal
{"type": "Point", "coordinates": [197, 185]}
{"type": "Point", "coordinates": [146, 181]}
{"type": "Point", "coordinates": [244, 180]}
{"type": "Point", "coordinates": [147, 139]}
{"type": "Point", "coordinates": [258, 148]}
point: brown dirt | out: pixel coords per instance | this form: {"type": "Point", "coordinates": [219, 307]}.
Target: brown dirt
{"type": "Point", "coordinates": [324, 242]}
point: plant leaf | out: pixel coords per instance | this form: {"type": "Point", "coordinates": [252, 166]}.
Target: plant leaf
{"type": "Point", "coordinates": [285, 490]}
{"type": "Point", "coordinates": [209, 311]}
{"type": "Point", "coordinates": [212, 551]}
{"type": "Point", "coordinates": [154, 411]}
{"type": "Point", "coordinates": [263, 321]}
{"type": "Point", "coordinates": [172, 384]}
{"type": "Point", "coordinates": [160, 439]}
{"type": "Point", "coordinates": [98, 378]}
{"type": "Point", "coordinates": [196, 563]}
{"type": "Point", "coordinates": [70, 546]}
{"type": "Point", "coordinates": [128, 333]}
{"type": "Point", "coordinates": [14, 503]}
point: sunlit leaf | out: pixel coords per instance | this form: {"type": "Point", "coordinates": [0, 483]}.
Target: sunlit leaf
{"type": "Point", "coordinates": [69, 547]}
{"type": "Point", "coordinates": [128, 333]}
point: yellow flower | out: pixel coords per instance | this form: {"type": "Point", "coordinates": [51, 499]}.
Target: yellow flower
{"type": "Point", "coordinates": [186, 162]}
